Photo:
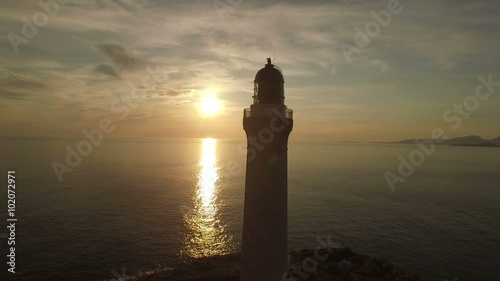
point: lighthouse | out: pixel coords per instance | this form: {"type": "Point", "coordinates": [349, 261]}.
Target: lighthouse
{"type": "Point", "coordinates": [267, 124]}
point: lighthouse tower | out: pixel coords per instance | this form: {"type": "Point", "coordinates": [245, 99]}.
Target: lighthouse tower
{"type": "Point", "coordinates": [267, 124]}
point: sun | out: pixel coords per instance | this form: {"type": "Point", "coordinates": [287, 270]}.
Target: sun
{"type": "Point", "coordinates": [210, 105]}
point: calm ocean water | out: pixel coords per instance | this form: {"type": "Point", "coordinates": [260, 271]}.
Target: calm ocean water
{"type": "Point", "coordinates": [133, 205]}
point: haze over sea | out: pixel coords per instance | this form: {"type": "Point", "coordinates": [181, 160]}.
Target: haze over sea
{"type": "Point", "coordinates": [136, 204]}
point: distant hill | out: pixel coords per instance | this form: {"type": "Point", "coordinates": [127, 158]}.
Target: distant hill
{"type": "Point", "coordinates": [484, 144]}
{"type": "Point", "coordinates": [496, 141]}
{"type": "Point", "coordinates": [467, 140]}
{"type": "Point", "coordinates": [472, 140]}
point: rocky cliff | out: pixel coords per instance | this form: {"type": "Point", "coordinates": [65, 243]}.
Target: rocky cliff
{"type": "Point", "coordinates": [335, 264]}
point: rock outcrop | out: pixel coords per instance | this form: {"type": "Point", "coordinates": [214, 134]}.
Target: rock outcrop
{"type": "Point", "coordinates": [333, 264]}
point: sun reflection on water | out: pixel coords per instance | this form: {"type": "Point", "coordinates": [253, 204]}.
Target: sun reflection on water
{"type": "Point", "coordinates": [206, 234]}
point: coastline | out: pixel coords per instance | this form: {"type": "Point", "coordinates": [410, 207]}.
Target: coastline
{"type": "Point", "coordinates": [333, 264]}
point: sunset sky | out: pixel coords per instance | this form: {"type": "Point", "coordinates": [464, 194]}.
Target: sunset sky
{"type": "Point", "coordinates": [147, 65]}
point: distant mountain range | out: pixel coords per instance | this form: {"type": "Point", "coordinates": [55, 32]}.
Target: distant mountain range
{"type": "Point", "coordinates": [472, 140]}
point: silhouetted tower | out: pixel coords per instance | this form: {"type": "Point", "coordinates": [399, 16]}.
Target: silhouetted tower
{"type": "Point", "coordinates": [267, 124]}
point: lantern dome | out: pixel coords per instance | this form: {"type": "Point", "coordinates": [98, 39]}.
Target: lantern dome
{"type": "Point", "coordinates": [269, 85]}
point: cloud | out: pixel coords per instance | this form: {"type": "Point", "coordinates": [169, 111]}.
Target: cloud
{"type": "Point", "coordinates": [24, 81]}
{"type": "Point", "coordinates": [180, 92]}
{"type": "Point", "coordinates": [127, 5]}
{"type": "Point", "coordinates": [20, 86]}
{"type": "Point", "coordinates": [104, 48]}
{"type": "Point", "coordinates": [164, 94]}
{"type": "Point", "coordinates": [13, 95]}
{"type": "Point", "coordinates": [380, 64]}
{"type": "Point", "coordinates": [107, 70]}
{"type": "Point", "coordinates": [120, 57]}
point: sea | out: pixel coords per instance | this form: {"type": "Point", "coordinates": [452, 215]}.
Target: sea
{"type": "Point", "coordinates": [125, 207]}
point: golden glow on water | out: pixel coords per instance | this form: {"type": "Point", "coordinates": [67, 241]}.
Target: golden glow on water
{"type": "Point", "coordinates": [206, 233]}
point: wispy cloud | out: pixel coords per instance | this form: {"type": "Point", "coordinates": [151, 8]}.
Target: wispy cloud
{"type": "Point", "coordinates": [120, 57]}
